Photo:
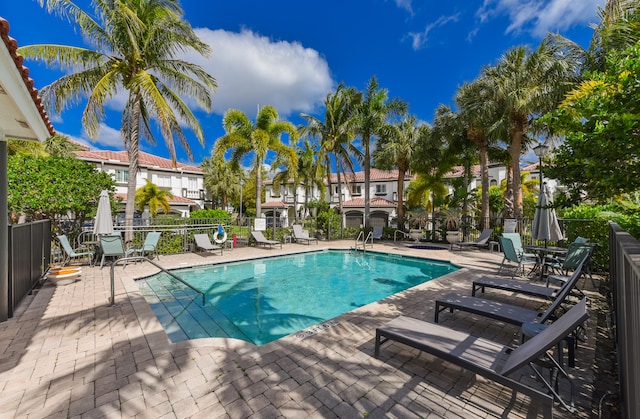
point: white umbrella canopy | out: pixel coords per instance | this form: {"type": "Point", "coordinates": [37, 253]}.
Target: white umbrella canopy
{"type": "Point", "coordinates": [104, 222]}
{"type": "Point", "coordinates": [545, 222]}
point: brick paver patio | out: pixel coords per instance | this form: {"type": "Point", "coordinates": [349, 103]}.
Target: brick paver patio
{"type": "Point", "coordinates": [67, 353]}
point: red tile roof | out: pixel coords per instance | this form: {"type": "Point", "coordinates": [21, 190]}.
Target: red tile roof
{"type": "Point", "coordinates": [176, 199]}
{"type": "Point", "coordinates": [146, 159]}
{"type": "Point", "coordinates": [274, 204]}
{"type": "Point", "coordinates": [373, 203]}
{"type": "Point", "coordinates": [12, 46]}
{"type": "Point", "coordinates": [375, 175]}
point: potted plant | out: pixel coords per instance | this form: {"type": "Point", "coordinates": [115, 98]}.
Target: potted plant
{"type": "Point", "coordinates": [452, 224]}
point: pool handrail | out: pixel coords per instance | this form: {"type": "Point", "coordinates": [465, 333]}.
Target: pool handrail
{"type": "Point", "coordinates": [395, 234]}
{"type": "Point", "coordinates": [144, 258]}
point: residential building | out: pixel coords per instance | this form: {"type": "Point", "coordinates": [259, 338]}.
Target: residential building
{"type": "Point", "coordinates": [185, 182]}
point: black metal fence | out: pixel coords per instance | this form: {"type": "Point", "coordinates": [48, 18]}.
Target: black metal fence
{"type": "Point", "coordinates": [29, 255]}
{"type": "Point", "coordinates": [625, 283]}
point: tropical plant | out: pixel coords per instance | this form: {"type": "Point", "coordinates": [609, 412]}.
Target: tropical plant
{"type": "Point", "coordinates": [523, 85]}
{"type": "Point", "coordinates": [396, 147]}
{"type": "Point", "coordinates": [136, 48]}
{"type": "Point", "coordinates": [371, 115]}
{"type": "Point", "coordinates": [150, 194]}
{"type": "Point", "coordinates": [222, 179]}
{"type": "Point", "coordinates": [245, 138]}
{"type": "Point", "coordinates": [336, 133]}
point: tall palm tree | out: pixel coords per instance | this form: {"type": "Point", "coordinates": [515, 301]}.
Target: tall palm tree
{"type": "Point", "coordinates": [150, 194]}
{"type": "Point", "coordinates": [336, 133]}
{"type": "Point", "coordinates": [135, 43]}
{"type": "Point", "coordinates": [371, 115]}
{"type": "Point", "coordinates": [59, 145]}
{"type": "Point", "coordinates": [396, 147]}
{"type": "Point", "coordinates": [244, 138]}
{"type": "Point", "coordinates": [477, 114]}
{"type": "Point", "coordinates": [525, 84]}
{"type": "Point", "coordinates": [222, 179]}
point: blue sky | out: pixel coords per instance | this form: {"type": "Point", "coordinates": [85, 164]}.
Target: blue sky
{"type": "Point", "coordinates": [290, 54]}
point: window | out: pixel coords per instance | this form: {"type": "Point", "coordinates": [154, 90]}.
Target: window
{"type": "Point", "coordinates": [493, 182]}
{"type": "Point", "coordinates": [121, 176]}
{"type": "Point", "coordinates": [336, 190]}
{"type": "Point", "coordinates": [192, 183]}
{"type": "Point", "coordinates": [356, 190]}
{"type": "Point", "coordinates": [381, 189]}
{"type": "Point", "coordinates": [163, 181]}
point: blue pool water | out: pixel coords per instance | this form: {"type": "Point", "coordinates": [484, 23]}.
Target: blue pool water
{"type": "Point", "coordinates": [262, 300]}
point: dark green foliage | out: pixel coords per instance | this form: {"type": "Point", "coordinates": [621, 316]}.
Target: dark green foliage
{"type": "Point", "coordinates": [51, 187]}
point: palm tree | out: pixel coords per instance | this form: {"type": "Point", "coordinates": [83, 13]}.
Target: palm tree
{"type": "Point", "coordinates": [246, 138]}
{"type": "Point", "coordinates": [371, 115]}
{"type": "Point", "coordinates": [59, 145]}
{"type": "Point", "coordinates": [396, 147]}
{"type": "Point", "coordinates": [135, 47]}
{"type": "Point", "coordinates": [477, 113]}
{"type": "Point", "coordinates": [525, 84]}
{"type": "Point", "coordinates": [336, 133]}
{"type": "Point", "coordinates": [150, 194]}
{"type": "Point", "coordinates": [222, 179]}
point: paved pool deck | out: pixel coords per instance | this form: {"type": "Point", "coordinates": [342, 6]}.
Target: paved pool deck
{"type": "Point", "coordinates": [68, 354]}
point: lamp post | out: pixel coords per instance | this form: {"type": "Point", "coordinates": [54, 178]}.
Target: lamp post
{"type": "Point", "coordinates": [540, 150]}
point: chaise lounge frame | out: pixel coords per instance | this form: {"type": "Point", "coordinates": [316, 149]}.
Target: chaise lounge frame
{"type": "Point", "coordinates": [490, 359]}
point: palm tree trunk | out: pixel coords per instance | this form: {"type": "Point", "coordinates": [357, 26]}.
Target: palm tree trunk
{"type": "Point", "coordinates": [484, 168]}
{"type": "Point", "coordinates": [515, 150]}
{"type": "Point", "coordinates": [133, 149]}
{"type": "Point", "coordinates": [259, 188]}
{"type": "Point", "coordinates": [339, 193]}
{"type": "Point", "coordinates": [401, 174]}
{"type": "Point", "coordinates": [367, 180]}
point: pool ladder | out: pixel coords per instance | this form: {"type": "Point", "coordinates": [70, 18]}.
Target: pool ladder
{"type": "Point", "coordinates": [362, 242]}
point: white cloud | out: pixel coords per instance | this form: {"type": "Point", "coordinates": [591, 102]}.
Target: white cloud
{"type": "Point", "coordinates": [419, 39]}
{"type": "Point", "coordinates": [253, 70]}
{"type": "Point", "coordinates": [108, 137]}
{"type": "Point", "coordinates": [406, 5]}
{"type": "Point", "coordinates": [540, 16]}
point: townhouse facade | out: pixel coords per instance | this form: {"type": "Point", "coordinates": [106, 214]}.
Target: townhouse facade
{"type": "Point", "coordinates": [185, 182]}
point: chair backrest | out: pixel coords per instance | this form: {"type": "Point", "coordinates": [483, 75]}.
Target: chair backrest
{"type": "Point", "coordinates": [151, 241]}
{"type": "Point", "coordinates": [298, 231]}
{"type": "Point", "coordinates": [516, 240]}
{"type": "Point", "coordinates": [532, 349]}
{"type": "Point", "coordinates": [258, 236]}
{"type": "Point", "coordinates": [582, 240]}
{"type": "Point", "coordinates": [64, 241]}
{"type": "Point", "coordinates": [484, 236]}
{"type": "Point", "coordinates": [377, 232]}
{"type": "Point", "coordinates": [202, 240]}
{"type": "Point", "coordinates": [111, 245]}
{"type": "Point", "coordinates": [510, 225]}
{"type": "Point", "coordinates": [575, 255]}
{"type": "Point", "coordinates": [509, 251]}
{"type": "Point", "coordinates": [563, 293]}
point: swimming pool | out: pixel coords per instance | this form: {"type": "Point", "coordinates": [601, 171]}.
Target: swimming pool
{"type": "Point", "coordinates": [262, 300]}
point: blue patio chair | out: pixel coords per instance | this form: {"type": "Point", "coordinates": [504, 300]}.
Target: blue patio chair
{"type": "Point", "coordinates": [519, 258]}
{"type": "Point", "coordinates": [111, 246]}
{"type": "Point", "coordinates": [72, 253]}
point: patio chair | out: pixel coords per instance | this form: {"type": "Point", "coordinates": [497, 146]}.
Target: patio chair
{"type": "Point", "coordinates": [261, 240]}
{"type": "Point", "coordinates": [523, 287]}
{"type": "Point", "coordinates": [203, 242]}
{"type": "Point", "coordinates": [578, 255]}
{"type": "Point", "coordinates": [111, 246]}
{"type": "Point", "coordinates": [301, 235]}
{"type": "Point", "coordinates": [377, 233]}
{"type": "Point", "coordinates": [510, 225]}
{"type": "Point", "coordinates": [71, 253]}
{"type": "Point", "coordinates": [490, 359]}
{"type": "Point", "coordinates": [483, 241]}
{"type": "Point", "coordinates": [150, 245]}
{"type": "Point", "coordinates": [507, 313]}
{"type": "Point", "coordinates": [519, 258]}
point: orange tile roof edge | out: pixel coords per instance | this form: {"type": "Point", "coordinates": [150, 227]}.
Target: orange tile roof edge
{"type": "Point", "coordinates": [12, 47]}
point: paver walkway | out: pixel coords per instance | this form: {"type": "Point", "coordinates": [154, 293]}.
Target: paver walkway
{"type": "Point", "coordinates": [67, 353]}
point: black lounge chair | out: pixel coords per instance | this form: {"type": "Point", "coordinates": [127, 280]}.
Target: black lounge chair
{"type": "Point", "coordinates": [491, 359]}
{"type": "Point", "coordinates": [525, 287]}
{"type": "Point", "coordinates": [483, 241]}
{"type": "Point", "coordinates": [503, 312]}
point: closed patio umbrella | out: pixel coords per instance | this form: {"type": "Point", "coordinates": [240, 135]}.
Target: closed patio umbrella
{"type": "Point", "coordinates": [545, 222]}
{"type": "Point", "coordinates": [103, 223]}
